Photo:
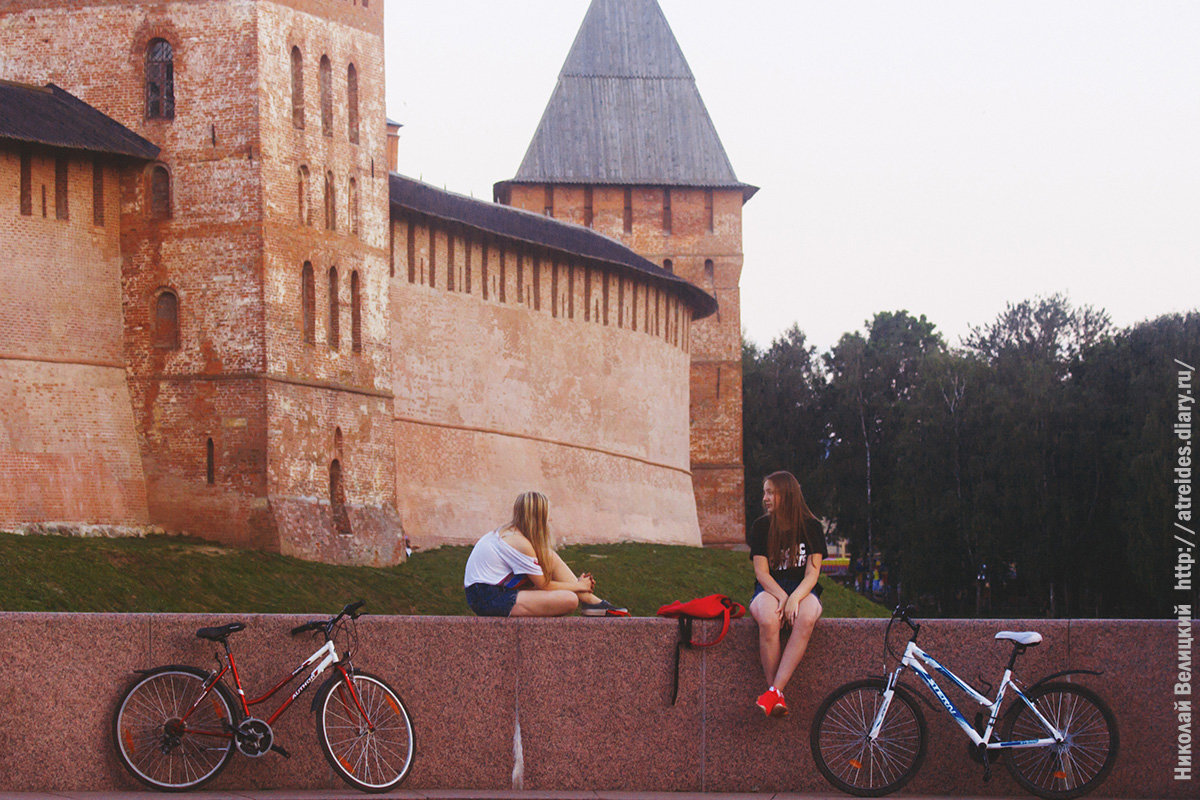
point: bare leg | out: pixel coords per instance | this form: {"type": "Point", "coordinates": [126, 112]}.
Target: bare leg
{"type": "Point", "coordinates": [540, 603]}
{"type": "Point", "coordinates": [765, 610]}
{"type": "Point", "coordinates": [806, 619]}
{"type": "Point", "coordinates": [559, 571]}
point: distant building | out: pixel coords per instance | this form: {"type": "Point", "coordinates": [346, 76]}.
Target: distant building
{"type": "Point", "coordinates": [225, 317]}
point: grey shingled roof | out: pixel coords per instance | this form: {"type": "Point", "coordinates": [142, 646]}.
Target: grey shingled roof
{"type": "Point", "coordinates": [541, 231]}
{"type": "Point", "coordinates": [626, 109]}
{"type": "Point", "coordinates": [50, 116]}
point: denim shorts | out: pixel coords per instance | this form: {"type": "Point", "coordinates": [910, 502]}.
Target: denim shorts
{"type": "Point", "coordinates": [487, 600]}
{"type": "Point", "coordinates": [788, 586]}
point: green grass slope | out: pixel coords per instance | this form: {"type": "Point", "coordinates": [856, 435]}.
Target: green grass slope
{"type": "Point", "coordinates": [159, 573]}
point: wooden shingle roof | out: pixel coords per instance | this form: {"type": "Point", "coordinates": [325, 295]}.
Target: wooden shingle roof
{"type": "Point", "coordinates": [50, 116]}
{"type": "Point", "coordinates": [535, 229]}
{"type": "Point", "coordinates": [626, 110]}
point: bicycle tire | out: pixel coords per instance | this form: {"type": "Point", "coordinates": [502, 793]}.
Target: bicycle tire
{"type": "Point", "coordinates": [375, 758]}
{"type": "Point", "coordinates": [155, 747]}
{"type": "Point", "coordinates": [1082, 761]}
{"type": "Point", "coordinates": [844, 754]}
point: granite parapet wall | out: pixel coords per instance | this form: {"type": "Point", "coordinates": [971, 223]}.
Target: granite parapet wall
{"type": "Point", "coordinates": [592, 696]}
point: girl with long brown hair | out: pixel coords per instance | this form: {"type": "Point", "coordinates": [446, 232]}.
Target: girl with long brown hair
{"type": "Point", "coordinates": [514, 571]}
{"type": "Point", "coordinates": [786, 546]}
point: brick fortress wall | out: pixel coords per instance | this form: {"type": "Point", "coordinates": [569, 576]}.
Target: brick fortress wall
{"type": "Point", "coordinates": [239, 426]}
{"type": "Point", "coordinates": [516, 368]}
{"type": "Point", "coordinates": [701, 236]}
{"type": "Point", "coordinates": [68, 447]}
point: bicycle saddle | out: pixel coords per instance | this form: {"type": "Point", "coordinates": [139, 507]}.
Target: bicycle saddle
{"type": "Point", "coordinates": [1027, 638]}
{"type": "Point", "coordinates": [220, 632]}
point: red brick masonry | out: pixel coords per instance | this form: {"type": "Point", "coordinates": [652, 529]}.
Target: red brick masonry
{"type": "Point", "coordinates": [594, 699]}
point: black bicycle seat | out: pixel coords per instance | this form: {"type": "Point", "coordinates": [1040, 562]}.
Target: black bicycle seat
{"type": "Point", "coordinates": [220, 632]}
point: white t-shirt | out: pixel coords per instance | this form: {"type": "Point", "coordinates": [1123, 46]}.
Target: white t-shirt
{"type": "Point", "coordinates": [493, 560]}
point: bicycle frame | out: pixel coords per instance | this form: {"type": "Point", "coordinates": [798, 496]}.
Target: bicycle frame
{"type": "Point", "coordinates": [913, 658]}
{"type": "Point", "coordinates": [326, 655]}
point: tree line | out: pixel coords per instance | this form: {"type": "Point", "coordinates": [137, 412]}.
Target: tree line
{"type": "Point", "coordinates": [1028, 471]}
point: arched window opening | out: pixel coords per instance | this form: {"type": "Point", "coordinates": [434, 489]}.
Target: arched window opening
{"type": "Point", "coordinates": [330, 203]}
{"type": "Point", "coordinates": [549, 201]}
{"type": "Point", "coordinates": [352, 102]}
{"type": "Point", "coordinates": [334, 310]}
{"type": "Point", "coordinates": [353, 206]}
{"type": "Point", "coordinates": [302, 197]}
{"type": "Point", "coordinates": [709, 271]}
{"type": "Point", "coordinates": [297, 88]}
{"type": "Point", "coordinates": [669, 265]}
{"type": "Point", "coordinates": [97, 191]}
{"type": "Point", "coordinates": [325, 78]}
{"type": "Point", "coordinates": [26, 183]}
{"type": "Point", "coordinates": [160, 193]}
{"type": "Point", "coordinates": [588, 213]}
{"type": "Point", "coordinates": [166, 321]}
{"type": "Point", "coordinates": [61, 207]}
{"type": "Point", "coordinates": [337, 499]}
{"type": "Point", "coordinates": [160, 80]}
{"type": "Point", "coordinates": [355, 314]}
{"type": "Point", "coordinates": [308, 302]}
{"type": "Point", "coordinates": [628, 210]}
{"type": "Point", "coordinates": [210, 471]}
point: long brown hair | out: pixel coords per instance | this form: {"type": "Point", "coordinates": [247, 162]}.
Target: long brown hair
{"type": "Point", "coordinates": [530, 510]}
{"type": "Point", "coordinates": [792, 522]}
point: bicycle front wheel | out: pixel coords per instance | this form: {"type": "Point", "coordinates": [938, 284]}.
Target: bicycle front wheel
{"type": "Point", "coordinates": [367, 734]}
{"type": "Point", "coordinates": [160, 742]}
{"type": "Point", "coordinates": [1081, 760]}
{"type": "Point", "coordinates": [847, 756]}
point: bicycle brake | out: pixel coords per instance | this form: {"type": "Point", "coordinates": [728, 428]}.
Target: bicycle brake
{"type": "Point", "coordinates": [276, 748]}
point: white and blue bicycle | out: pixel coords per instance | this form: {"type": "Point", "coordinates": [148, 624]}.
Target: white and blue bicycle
{"type": "Point", "coordinates": [1058, 739]}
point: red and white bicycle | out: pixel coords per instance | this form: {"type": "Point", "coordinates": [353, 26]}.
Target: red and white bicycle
{"type": "Point", "coordinates": [177, 726]}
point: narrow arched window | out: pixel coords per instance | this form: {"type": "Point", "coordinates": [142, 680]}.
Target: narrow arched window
{"type": "Point", "coordinates": [325, 77]}
{"type": "Point", "coordinates": [302, 201]}
{"type": "Point", "coordinates": [668, 265]}
{"type": "Point", "coordinates": [210, 470]}
{"type": "Point", "coordinates": [334, 310]}
{"type": "Point", "coordinates": [160, 193]}
{"type": "Point", "coordinates": [355, 314]}
{"type": "Point", "coordinates": [353, 206]}
{"type": "Point", "coordinates": [709, 271]}
{"type": "Point", "coordinates": [330, 203]}
{"type": "Point", "coordinates": [297, 88]}
{"type": "Point", "coordinates": [308, 302]}
{"type": "Point", "coordinates": [352, 102]}
{"type": "Point", "coordinates": [337, 499]}
{"type": "Point", "coordinates": [628, 219]}
{"type": "Point", "coordinates": [160, 80]}
{"type": "Point", "coordinates": [166, 321]}
{"type": "Point", "coordinates": [26, 183]}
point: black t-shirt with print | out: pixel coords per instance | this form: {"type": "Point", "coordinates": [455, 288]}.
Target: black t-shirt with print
{"type": "Point", "coordinates": [813, 542]}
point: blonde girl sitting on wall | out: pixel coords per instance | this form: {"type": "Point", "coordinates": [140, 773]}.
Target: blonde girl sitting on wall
{"type": "Point", "coordinates": [513, 571]}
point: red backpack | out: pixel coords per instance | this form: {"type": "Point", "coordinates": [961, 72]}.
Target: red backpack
{"type": "Point", "coordinates": [714, 606]}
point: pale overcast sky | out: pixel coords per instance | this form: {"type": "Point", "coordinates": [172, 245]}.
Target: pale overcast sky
{"type": "Point", "coordinates": [940, 157]}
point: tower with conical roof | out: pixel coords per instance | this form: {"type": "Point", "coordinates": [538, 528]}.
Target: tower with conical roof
{"type": "Point", "coordinates": [626, 146]}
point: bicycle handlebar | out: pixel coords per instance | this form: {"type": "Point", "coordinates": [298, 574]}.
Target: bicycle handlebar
{"type": "Point", "coordinates": [351, 610]}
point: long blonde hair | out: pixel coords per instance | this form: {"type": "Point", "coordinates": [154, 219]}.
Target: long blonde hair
{"type": "Point", "coordinates": [530, 510]}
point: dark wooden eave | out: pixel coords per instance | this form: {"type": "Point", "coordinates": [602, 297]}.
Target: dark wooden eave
{"type": "Point", "coordinates": [47, 115]}
{"type": "Point", "coordinates": [541, 231]}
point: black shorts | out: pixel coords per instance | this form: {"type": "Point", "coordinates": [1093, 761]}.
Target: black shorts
{"type": "Point", "coordinates": [788, 586]}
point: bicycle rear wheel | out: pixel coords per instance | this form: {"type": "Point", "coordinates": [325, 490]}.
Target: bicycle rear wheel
{"type": "Point", "coordinates": [158, 745]}
{"type": "Point", "coordinates": [1085, 756]}
{"type": "Point", "coordinates": [368, 736]}
{"type": "Point", "coordinates": [845, 754]}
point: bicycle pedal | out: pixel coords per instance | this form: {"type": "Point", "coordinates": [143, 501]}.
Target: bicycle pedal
{"type": "Point", "coordinates": [276, 748]}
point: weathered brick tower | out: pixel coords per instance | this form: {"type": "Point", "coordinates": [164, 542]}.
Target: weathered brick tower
{"type": "Point", "coordinates": [261, 421]}
{"type": "Point", "coordinates": [626, 147]}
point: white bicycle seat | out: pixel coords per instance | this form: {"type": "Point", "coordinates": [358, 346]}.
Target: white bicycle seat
{"type": "Point", "coordinates": [1028, 638]}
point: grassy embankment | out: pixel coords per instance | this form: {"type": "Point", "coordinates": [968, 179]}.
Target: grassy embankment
{"type": "Point", "coordinates": [51, 573]}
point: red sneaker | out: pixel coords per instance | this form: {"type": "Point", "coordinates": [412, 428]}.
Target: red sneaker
{"type": "Point", "coordinates": [772, 703]}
